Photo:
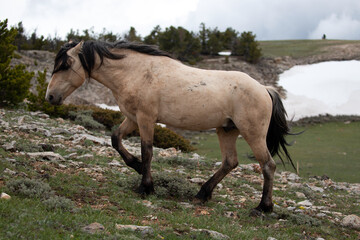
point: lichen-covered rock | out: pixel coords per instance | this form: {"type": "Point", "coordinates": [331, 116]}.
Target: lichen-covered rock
{"type": "Point", "coordinates": [93, 228]}
{"type": "Point", "coordinates": [351, 221]}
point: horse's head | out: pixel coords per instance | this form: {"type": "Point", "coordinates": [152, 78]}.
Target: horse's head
{"type": "Point", "coordinates": [68, 74]}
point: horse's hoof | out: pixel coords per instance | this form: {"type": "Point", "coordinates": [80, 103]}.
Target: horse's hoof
{"type": "Point", "coordinates": [256, 213]}
{"type": "Point", "coordinates": [146, 190]}
{"type": "Point", "coordinates": [198, 201]}
{"type": "Point", "coordinates": [202, 196]}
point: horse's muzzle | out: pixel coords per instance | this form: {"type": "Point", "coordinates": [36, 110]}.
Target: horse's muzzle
{"type": "Point", "coordinates": [54, 99]}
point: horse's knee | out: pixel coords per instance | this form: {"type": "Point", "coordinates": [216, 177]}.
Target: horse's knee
{"type": "Point", "coordinates": [268, 168]}
{"type": "Point", "coordinates": [229, 164]}
{"type": "Point", "coordinates": [115, 140]}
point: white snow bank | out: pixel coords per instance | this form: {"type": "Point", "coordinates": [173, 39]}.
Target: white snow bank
{"type": "Point", "coordinates": [328, 87]}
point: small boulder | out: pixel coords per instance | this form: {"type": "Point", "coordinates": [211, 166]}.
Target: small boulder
{"type": "Point", "coordinates": [47, 156]}
{"type": "Point", "coordinates": [9, 146]}
{"type": "Point", "coordinates": [5, 196]}
{"type": "Point", "coordinates": [93, 228]}
{"type": "Point", "coordinates": [212, 234]}
{"type": "Point", "coordinates": [351, 221]}
{"type": "Point", "coordinates": [144, 230]}
{"type": "Point", "coordinates": [9, 171]}
{"type": "Point", "coordinates": [300, 195]}
{"type": "Point", "coordinates": [197, 180]}
{"type": "Point", "coordinates": [305, 203]}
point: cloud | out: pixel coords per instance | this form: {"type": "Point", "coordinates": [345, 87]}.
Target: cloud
{"type": "Point", "coordinates": [269, 20]}
{"type": "Point", "coordinates": [337, 27]}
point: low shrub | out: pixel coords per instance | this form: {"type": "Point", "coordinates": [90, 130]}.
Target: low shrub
{"type": "Point", "coordinates": [85, 119]}
{"type": "Point", "coordinates": [30, 188]}
{"type": "Point", "coordinates": [165, 138]}
{"type": "Point", "coordinates": [59, 203]}
{"type": "Point", "coordinates": [169, 185]}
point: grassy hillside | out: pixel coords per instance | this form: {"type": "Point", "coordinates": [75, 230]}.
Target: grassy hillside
{"type": "Point", "coordinates": [67, 182]}
{"type": "Point", "coordinates": [299, 48]}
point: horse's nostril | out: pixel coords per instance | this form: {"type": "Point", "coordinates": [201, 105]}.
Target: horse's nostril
{"type": "Point", "coordinates": [51, 97]}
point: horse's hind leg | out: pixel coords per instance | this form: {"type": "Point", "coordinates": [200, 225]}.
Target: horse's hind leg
{"type": "Point", "coordinates": [126, 127]}
{"type": "Point", "coordinates": [268, 166]}
{"type": "Point", "coordinates": [227, 139]}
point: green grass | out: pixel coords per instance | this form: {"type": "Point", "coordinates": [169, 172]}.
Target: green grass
{"type": "Point", "coordinates": [331, 149]}
{"type": "Point", "coordinates": [299, 48]}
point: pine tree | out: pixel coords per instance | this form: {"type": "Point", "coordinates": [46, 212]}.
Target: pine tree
{"type": "Point", "coordinates": [247, 47]}
{"type": "Point", "coordinates": [14, 82]}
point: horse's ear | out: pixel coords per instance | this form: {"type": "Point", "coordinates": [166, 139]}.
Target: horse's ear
{"type": "Point", "coordinates": [76, 50]}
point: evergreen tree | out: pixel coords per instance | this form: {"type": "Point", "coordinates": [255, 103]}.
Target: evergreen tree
{"type": "Point", "coordinates": [14, 82]}
{"type": "Point", "coordinates": [247, 47]}
{"type": "Point", "coordinates": [228, 38]}
{"type": "Point", "coordinates": [182, 43]}
{"type": "Point", "coordinates": [153, 37]}
{"type": "Point", "coordinates": [204, 38]}
{"type": "Point", "coordinates": [214, 43]}
{"type": "Point", "coordinates": [131, 36]}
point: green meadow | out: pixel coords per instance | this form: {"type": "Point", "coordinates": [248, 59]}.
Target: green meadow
{"type": "Point", "coordinates": [331, 149]}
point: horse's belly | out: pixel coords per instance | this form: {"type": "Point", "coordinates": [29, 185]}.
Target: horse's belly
{"type": "Point", "coordinates": [193, 119]}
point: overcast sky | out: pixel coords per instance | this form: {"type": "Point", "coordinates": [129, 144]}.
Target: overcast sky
{"type": "Point", "coordinates": [268, 19]}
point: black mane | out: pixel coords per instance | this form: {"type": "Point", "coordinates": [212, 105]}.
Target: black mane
{"type": "Point", "coordinates": [89, 48]}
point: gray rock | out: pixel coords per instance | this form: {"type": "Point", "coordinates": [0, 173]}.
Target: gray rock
{"type": "Point", "coordinates": [217, 164]}
{"type": "Point", "coordinates": [351, 221]}
{"type": "Point", "coordinates": [40, 114]}
{"type": "Point", "coordinates": [197, 180]}
{"type": "Point", "coordinates": [271, 238]}
{"type": "Point", "coordinates": [300, 195]}
{"type": "Point", "coordinates": [114, 163]}
{"type": "Point", "coordinates": [88, 155]}
{"type": "Point", "coordinates": [60, 131]}
{"type": "Point", "coordinates": [71, 155]}
{"type": "Point", "coordinates": [144, 230]}
{"type": "Point", "coordinates": [321, 215]}
{"type": "Point", "coordinates": [10, 172]}
{"type": "Point", "coordinates": [93, 228]}
{"type": "Point", "coordinates": [212, 234]}
{"type": "Point", "coordinates": [293, 177]}
{"type": "Point", "coordinates": [305, 203]}
{"type": "Point", "coordinates": [4, 124]}
{"type": "Point", "coordinates": [82, 137]}
{"type": "Point", "coordinates": [5, 196]}
{"type": "Point", "coordinates": [315, 189]}
{"type": "Point", "coordinates": [195, 157]}
{"type": "Point", "coordinates": [28, 128]}
{"type": "Point", "coordinates": [9, 146]}
{"type": "Point", "coordinates": [47, 156]}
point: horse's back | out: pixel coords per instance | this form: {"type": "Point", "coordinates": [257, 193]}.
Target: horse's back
{"type": "Point", "coordinates": [200, 99]}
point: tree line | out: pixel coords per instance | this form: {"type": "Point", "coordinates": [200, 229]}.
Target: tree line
{"type": "Point", "coordinates": [185, 45]}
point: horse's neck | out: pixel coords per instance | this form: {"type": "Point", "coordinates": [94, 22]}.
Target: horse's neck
{"type": "Point", "coordinates": [114, 74]}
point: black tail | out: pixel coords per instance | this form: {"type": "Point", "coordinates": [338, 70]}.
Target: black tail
{"type": "Point", "coordinates": [278, 129]}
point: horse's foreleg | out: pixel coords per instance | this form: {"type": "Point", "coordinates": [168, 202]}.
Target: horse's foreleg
{"type": "Point", "coordinates": [146, 128]}
{"type": "Point", "coordinates": [227, 141]}
{"type": "Point", "coordinates": [126, 127]}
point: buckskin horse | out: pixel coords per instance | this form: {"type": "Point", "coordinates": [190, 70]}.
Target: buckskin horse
{"type": "Point", "coordinates": [151, 87]}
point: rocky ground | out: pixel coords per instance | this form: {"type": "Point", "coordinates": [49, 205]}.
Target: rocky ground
{"type": "Point", "coordinates": [36, 147]}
